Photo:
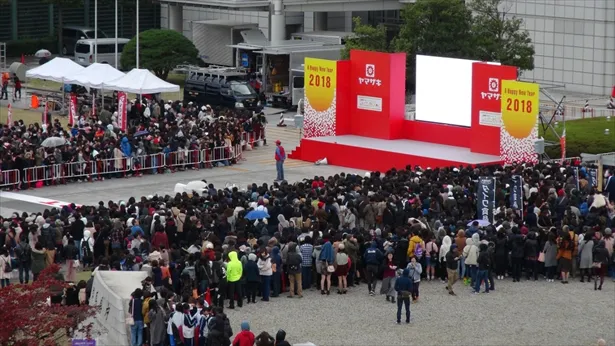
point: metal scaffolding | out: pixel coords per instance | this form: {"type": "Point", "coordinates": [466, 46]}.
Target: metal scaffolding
{"type": "Point", "coordinates": [2, 56]}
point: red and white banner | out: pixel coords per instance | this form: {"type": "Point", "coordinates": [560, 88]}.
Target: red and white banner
{"type": "Point", "coordinates": [9, 116]}
{"type": "Point", "coordinates": [45, 111]}
{"type": "Point", "coordinates": [122, 103]}
{"type": "Point", "coordinates": [73, 116]}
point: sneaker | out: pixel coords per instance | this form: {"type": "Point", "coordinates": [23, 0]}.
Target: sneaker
{"type": "Point", "coordinates": [398, 322]}
{"type": "Point", "coordinates": [299, 297]}
{"type": "Point", "coordinates": [290, 297]}
{"type": "Point", "coordinates": [407, 321]}
{"type": "Point", "coordinates": [452, 293]}
{"type": "Point", "coordinates": [371, 293]}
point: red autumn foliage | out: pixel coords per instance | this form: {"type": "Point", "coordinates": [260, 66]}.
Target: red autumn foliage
{"type": "Point", "coordinates": [28, 319]}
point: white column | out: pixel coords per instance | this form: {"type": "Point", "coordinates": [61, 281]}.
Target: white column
{"type": "Point", "coordinates": [95, 30]}
{"type": "Point", "coordinates": [116, 61]}
{"type": "Point", "coordinates": [176, 17]}
{"type": "Point", "coordinates": [278, 22]}
{"type": "Point", "coordinates": [320, 21]}
{"type": "Point", "coordinates": [137, 51]}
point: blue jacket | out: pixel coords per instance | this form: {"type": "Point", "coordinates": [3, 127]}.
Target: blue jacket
{"type": "Point", "coordinates": [404, 283]}
{"type": "Point", "coordinates": [125, 146]}
{"type": "Point", "coordinates": [137, 313]}
{"type": "Point", "coordinates": [250, 270]}
{"type": "Point", "coordinates": [326, 254]}
{"type": "Point", "coordinates": [373, 256]}
{"type": "Point", "coordinates": [276, 258]}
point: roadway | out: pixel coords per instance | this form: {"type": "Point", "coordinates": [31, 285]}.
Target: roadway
{"type": "Point", "coordinates": [258, 167]}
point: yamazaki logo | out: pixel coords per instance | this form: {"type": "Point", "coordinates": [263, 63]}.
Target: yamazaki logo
{"type": "Point", "coordinates": [493, 88]}
{"type": "Point", "coordinates": [370, 76]}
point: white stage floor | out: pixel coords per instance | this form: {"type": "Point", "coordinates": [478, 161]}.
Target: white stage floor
{"type": "Point", "coordinates": [409, 147]}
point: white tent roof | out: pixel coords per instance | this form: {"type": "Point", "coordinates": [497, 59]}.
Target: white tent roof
{"type": "Point", "coordinates": [140, 81]}
{"type": "Point", "coordinates": [57, 70]}
{"type": "Point", "coordinates": [94, 75]}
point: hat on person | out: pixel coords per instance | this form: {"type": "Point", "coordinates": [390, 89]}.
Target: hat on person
{"type": "Point", "coordinates": [454, 246]}
{"type": "Point", "coordinates": [277, 141]}
{"type": "Point", "coordinates": [243, 248]}
{"type": "Point", "coordinates": [252, 257]}
{"type": "Point", "coordinates": [245, 325]}
{"type": "Point", "coordinates": [608, 231]}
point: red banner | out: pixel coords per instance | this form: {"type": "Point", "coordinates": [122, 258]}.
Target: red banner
{"type": "Point", "coordinates": [45, 111]}
{"type": "Point", "coordinates": [73, 116]}
{"type": "Point", "coordinates": [562, 143]}
{"type": "Point", "coordinates": [122, 102]}
{"type": "Point", "coordinates": [9, 116]}
{"type": "Point", "coordinates": [486, 106]}
{"type": "Point", "coordinates": [377, 83]}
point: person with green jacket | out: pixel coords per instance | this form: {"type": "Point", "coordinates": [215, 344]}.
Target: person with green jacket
{"type": "Point", "coordinates": [234, 271]}
{"type": "Point", "coordinates": [38, 260]}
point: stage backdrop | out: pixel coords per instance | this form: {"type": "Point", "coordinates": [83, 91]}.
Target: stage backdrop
{"type": "Point", "coordinates": [486, 106]}
{"type": "Point", "coordinates": [377, 97]}
{"type": "Point", "coordinates": [320, 97]}
{"type": "Point", "coordinates": [519, 107]}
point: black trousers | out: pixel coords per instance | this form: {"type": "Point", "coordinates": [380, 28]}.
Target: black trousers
{"type": "Point", "coordinates": [235, 287]}
{"type": "Point", "coordinates": [252, 290]}
{"type": "Point", "coordinates": [517, 264]}
{"type": "Point", "coordinates": [405, 301]}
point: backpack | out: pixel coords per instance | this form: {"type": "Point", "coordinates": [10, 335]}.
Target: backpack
{"type": "Point", "coordinates": [418, 251]}
{"type": "Point", "coordinates": [583, 208]}
{"type": "Point", "coordinates": [7, 266]}
{"type": "Point", "coordinates": [433, 253]}
{"type": "Point", "coordinates": [85, 247]}
{"type": "Point", "coordinates": [23, 252]}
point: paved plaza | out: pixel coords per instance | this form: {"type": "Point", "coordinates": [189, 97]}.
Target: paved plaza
{"type": "Point", "coordinates": [527, 313]}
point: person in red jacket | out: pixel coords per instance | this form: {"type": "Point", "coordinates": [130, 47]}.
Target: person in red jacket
{"type": "Point", "coordinates": [160, 238]}
{"type": "Point", "coordinates": [245, 337]}
{"type": "Point", "coordinates": [280, 156]}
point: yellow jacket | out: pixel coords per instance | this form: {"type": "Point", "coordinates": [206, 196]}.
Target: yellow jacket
{"type": "Point", "coordinates": [413, 241]}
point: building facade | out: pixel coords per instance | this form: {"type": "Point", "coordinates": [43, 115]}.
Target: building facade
{"type": "Point", "coordinates": [574, 39]}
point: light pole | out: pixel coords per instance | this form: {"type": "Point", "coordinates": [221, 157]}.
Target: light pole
{"type": "Point", "coordinates": [137, 34]}
{"type": "Point", "coordinates": [95, 30]}
{"type": "Point", "coordinates": [116, 65]}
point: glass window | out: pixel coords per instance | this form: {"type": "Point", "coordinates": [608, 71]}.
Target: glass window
{"type": "Point", "coordinates": [242, 89]}
{"type": "Point", "coordinates": [82, 48]}
{"type": "Point", "coordinates": [90, 34]}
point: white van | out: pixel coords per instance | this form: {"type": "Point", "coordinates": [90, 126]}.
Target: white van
{"type": "Point", "coordinates": [84, 51]}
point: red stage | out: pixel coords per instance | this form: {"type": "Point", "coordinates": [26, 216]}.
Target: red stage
{"type": "Point", "coordinates": [358, 120]}
{"type": "Point", "coordinates": [381, 155]}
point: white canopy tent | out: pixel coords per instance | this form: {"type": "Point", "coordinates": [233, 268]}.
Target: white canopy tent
{"type": "Point", "coordinates": [94, 76]}
{"type": "Point", "coordinates": [56, 70]}
{"type": "Point", "coordinates": [139, 81]}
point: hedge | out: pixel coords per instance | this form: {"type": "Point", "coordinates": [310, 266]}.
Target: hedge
{"type": "Point", "coordinates": [29, 46]}
{"type": "Point", "coordinates": [583, 136]}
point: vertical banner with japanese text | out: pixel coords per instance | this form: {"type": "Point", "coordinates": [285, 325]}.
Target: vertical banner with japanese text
{"type": "Point", "coordinates": [519, 107]}
{"type": "Point", "coordinates": [575, 174]}
{"type": "Point", "coordinates": [9, 115]}
{"type": "Point", "coordinates": [320, 97]}
{"type": "Point", "coordinates": [45, 112]}
{"type": "Point", "coordinates": [485, 199]}
{"type": "Point", "coordinates": [516, 194]}
{"type": "Point", "coordinates": [592, 177]}
{"type": "Point", "coordinates": [122, 103]}
{"type": "Point", "coordinates": [73, 115]}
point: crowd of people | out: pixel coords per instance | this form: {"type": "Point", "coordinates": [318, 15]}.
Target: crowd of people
{"type": "Point", "coordinates": [395, 229]}
{"type": "Point", "coordinates": [96, 147]}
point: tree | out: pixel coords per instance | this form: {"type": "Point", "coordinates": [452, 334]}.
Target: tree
{"type": "Point", "coordinates": [31, 320]}
{"type": "Point", "coordinates": [500, 37]}
{"type": "Point", "coordinates": [60, 5]}
{"type": "Point", "coordinates": [434, 27]}
{"type": "Point", "coordinates": [366, 37]}
{"type": "Point", "coordinates": [160, 50]}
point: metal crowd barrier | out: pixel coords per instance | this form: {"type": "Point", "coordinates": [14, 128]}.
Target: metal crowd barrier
{"type": "Point", "coordinates": [120, 167]}
{"type": "Point", "coordinates": [10, 178]}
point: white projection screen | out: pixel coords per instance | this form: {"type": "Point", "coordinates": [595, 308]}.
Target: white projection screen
{"type": "Point", "coordinates": [444, 90]}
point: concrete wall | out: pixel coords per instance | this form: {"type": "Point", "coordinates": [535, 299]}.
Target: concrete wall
{"type": "Point", "coordinates": [574, 42]}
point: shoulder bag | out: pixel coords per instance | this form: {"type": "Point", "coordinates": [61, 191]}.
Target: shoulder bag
{"type": "Point", "coordinates": [130, 320]}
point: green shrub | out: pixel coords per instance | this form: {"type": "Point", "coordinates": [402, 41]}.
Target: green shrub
{"type": "Point", "coordinates": [29, 46]}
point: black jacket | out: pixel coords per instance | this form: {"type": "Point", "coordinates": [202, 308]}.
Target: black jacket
{"type": "Point", "coordinates": [484, 260]}
{"type": "Point", "coordinates": [400, 255]}
{"type": "Point", "coordinates": [531, 248]}
{"type": "Point", "coordinates": [517, 246]}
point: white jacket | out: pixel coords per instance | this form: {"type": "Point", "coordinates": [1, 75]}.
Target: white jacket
{"type": "Point", "coordinates": [265, 267]}
{"type": "Point", "coordinates": [470, 253]}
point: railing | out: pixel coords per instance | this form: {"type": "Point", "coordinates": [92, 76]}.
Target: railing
{"type": "Point", "coordinates": [120, 167]}
{"type": "Point", "coordinates": [10, 178]}
{"type": "Point", "coordinates": [576, 112]}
